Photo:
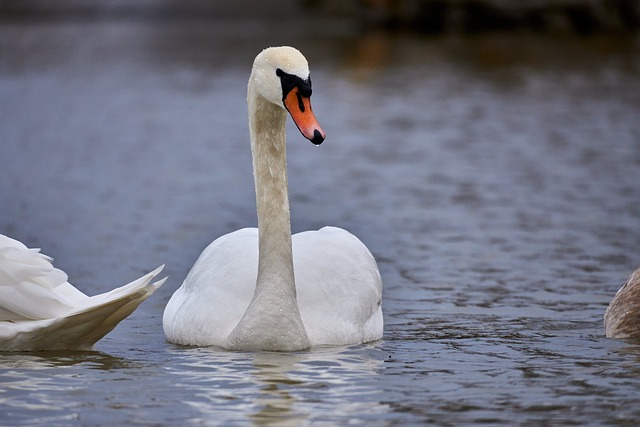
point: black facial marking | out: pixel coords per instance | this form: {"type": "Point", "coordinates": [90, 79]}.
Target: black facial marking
{"type": "Point", "coordinates": [289, 81]}
{"type": "Point", "coordinates": [300, 103]}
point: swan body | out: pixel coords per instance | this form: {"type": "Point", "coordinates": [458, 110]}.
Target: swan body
{"type": "Point", "coordinates": [622, 318]}
{"type": "Point", "coordinates": [262, 288]}
{"type": "Point", "coordinates": [40, 310]}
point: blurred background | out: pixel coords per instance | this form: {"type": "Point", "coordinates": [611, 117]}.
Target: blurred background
{"type": "Point", "coordinates": [426, 16]}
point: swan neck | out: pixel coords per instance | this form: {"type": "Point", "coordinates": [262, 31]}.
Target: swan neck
{"type": "Point", "coordinates": [272, 321]}
{"type": "Point", "coordinates": [268, 147]}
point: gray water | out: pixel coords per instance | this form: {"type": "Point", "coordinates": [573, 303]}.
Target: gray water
{"type": "Point", "coordinates": [495, 178]}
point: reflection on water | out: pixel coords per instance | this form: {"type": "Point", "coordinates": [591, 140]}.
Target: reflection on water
{"type": "Point", "coordinates": [43, 388]}
{"type": "Point", "coordinates": [53, 359]}
{"type": "Point", "coordinates": [205, 386]}
{"type": "Point", "coordinates": [276, 388]}
{"type": "Point", "coordinates": [494, 178]}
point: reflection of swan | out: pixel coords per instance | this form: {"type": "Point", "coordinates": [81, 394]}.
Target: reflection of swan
{"type": "Point", "coordinates": [275, 403]}
{"type": "Point", "coordinates": [622, 318]}
{"type": "Point", "coordinates": [241, 292]}
{"type": "Point", "coordinates": [338, 378]}
{"type": "Point", "coordinates": [27, 362]}
{"type": "Point", "coordinates": [40, 310]}
{"type": "Point", "coordinates": [275, 388]}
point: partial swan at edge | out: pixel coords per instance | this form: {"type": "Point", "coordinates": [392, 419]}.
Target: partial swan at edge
{"type": "Point", "coordinates": [622, 318]}
{"type": "Point", "coordinates": [40, 310]}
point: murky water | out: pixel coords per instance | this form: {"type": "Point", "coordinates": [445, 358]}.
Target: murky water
{"type": "Point", "coordinates": [496, 179]}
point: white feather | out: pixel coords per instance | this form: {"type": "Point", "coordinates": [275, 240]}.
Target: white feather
{"type": "Point", "coordinates": [40, 310]}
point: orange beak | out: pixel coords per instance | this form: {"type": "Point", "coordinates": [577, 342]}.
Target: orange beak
{"type": "Point", "coordinates": [300, 109]}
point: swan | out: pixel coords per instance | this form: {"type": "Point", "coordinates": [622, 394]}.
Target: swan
{"type": "Point", "coordinates": [622, 317]}
{"type": "Point", "coordinates": [241, 294]}
{"type": "Point", "coordinates": [40, 310]}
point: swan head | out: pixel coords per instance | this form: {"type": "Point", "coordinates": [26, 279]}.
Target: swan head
{"type": "Point", "coordinates": [281, 76]}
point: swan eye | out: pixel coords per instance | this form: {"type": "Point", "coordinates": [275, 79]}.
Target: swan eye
{"type": "Point", "coordinates": [290, 81]}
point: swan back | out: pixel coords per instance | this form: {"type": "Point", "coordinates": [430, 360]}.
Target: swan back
{"type": "Point", "coordinates": [216, 292]}
{"type": "Point", "coordinates": [339, 287]}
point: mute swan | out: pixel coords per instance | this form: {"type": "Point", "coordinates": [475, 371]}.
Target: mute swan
{"type": "Point", "coordinates": [622, 318]}
{"type": "Point", "coordinates": [241, 293]}
{"type": "Point", "coordinates": [40, 310]}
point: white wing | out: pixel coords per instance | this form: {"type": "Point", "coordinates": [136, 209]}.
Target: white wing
{"type": "Point", "coordinates": [40, 310]}
{"type": "Point", "coordinates": [339, 287]}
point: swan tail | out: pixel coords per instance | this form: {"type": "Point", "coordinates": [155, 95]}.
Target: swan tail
{"type": "Point", "coordinates": [143, 282]}
{"type": "Point", "coordinates": [83, 327]}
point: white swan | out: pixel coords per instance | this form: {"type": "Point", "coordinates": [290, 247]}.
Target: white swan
{"type": "Point", "coordinates": [40, 310]}
{"type": "Point", "coordinates": [622, 318]}
{"type": "Point", "coordinates": [241, 293]}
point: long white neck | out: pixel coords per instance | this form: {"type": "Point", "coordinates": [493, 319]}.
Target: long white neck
{"type": "Point", "coordinates": [272, 320]}
{"type": "Point", "coordinates": [268, 148]}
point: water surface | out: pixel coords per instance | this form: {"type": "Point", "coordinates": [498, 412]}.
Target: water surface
{"type": "Point", "coordinates": [494, 178]}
